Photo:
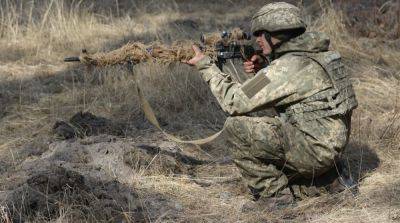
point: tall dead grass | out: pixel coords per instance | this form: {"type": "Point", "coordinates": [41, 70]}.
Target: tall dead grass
{"type": "Point", "coordinates": [36, 90]}
{"type": "Point", "coordinates": [45, 31]}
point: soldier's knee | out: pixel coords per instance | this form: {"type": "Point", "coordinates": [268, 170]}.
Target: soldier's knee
{"type": "Point", "coordinates": [317, 167]}
{"type": "Point", "coordinates": [232, 123]}
{"type": "Point", "coordinates": [230, 120]}
{"type": "Point", "coordinates": [240, 121]}
{"type": "Point", "coordinates": [229, 123]}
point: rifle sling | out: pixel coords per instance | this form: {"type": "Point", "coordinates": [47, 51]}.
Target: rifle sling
{"type": "Point", "coordinates": [149, 113]}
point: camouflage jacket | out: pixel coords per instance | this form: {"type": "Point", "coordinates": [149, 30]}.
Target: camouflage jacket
{"type": "Point", "coordinates": [292, 79]}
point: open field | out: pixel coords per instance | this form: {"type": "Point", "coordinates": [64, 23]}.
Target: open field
{"type": "Point", "coordinates": [128, 171]}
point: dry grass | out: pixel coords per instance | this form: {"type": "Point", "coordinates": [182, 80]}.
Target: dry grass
{"type": "Point", "coordinates": [36, 90]}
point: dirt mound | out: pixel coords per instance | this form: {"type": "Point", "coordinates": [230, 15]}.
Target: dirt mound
{"type": "Point", "coordinates": [52, 190]}
{"type": "Point", "coordinates": [91, 178]}
{"type": "Point", "coordinates": [86, 124]}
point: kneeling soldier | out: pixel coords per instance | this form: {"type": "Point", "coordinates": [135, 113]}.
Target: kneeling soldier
{"type": "Point", "coordinates": [305, 83]}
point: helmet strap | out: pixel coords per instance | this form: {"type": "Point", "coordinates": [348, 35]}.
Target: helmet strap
{"type": "Point", "coordinates": [268, 38]}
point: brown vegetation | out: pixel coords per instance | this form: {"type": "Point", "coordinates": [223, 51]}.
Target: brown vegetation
{"type": "Point", "coordinates": [138, 175]}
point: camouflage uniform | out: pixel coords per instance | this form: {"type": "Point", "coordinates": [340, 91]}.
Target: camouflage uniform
{"type": "Point", "coordinates": [311, 128]}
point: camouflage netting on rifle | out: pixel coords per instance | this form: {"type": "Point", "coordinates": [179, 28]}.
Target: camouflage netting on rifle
{"type": "Point", "coordinates": [136, 52]}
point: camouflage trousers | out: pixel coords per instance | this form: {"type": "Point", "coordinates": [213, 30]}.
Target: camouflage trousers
{"type": "Point", "coordinates": [270, 155]}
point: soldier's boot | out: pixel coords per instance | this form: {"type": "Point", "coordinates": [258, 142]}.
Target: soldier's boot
{"type": "Point", "coordinates": [279, 200]}
{"type": "Point", "coordinates": [301, 192]}
{"type": "Point", "coordinates": [336, 180]}
{"type": "Point", "coordinates": [337, 186]}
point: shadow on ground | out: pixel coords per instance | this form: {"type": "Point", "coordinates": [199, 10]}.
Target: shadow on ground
{"type": "Point", "coordinates": [360, 160]}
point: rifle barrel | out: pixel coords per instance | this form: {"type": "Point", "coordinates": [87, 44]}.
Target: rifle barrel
{"type": "Point", "coordinates": [72, 59]}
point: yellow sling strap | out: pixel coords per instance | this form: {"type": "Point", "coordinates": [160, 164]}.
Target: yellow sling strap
{"type": "Point", "coordinates": [148, 112]}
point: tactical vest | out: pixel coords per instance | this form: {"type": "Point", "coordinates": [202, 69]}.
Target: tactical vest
{"type": "Point", "coordinates": [338, 100]}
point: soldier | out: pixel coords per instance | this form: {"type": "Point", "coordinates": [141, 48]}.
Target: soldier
{"type": "Point", "coordinates": [307, 86]}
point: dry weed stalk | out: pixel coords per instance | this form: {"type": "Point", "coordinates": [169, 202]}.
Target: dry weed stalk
{"type": "Point", "coordinates": [4, 217]}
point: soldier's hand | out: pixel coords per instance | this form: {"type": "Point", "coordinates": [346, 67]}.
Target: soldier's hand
{"type": "Point", "coordinates": [199, 55]}
{"type": "Point", "coordinates": [253, 65]}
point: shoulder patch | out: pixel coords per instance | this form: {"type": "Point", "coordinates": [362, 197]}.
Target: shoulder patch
{"type": "Point", "coordinates": [255, 84]}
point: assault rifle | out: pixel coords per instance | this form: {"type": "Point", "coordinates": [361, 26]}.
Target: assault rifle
{"type": "Point", "coordinates": [219, 46]}
{"type": "Point", "coordinates": [230, 45]}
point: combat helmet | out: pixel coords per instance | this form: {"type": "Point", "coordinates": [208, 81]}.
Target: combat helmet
{"type": "Point", "coordinates": [276, 17]}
